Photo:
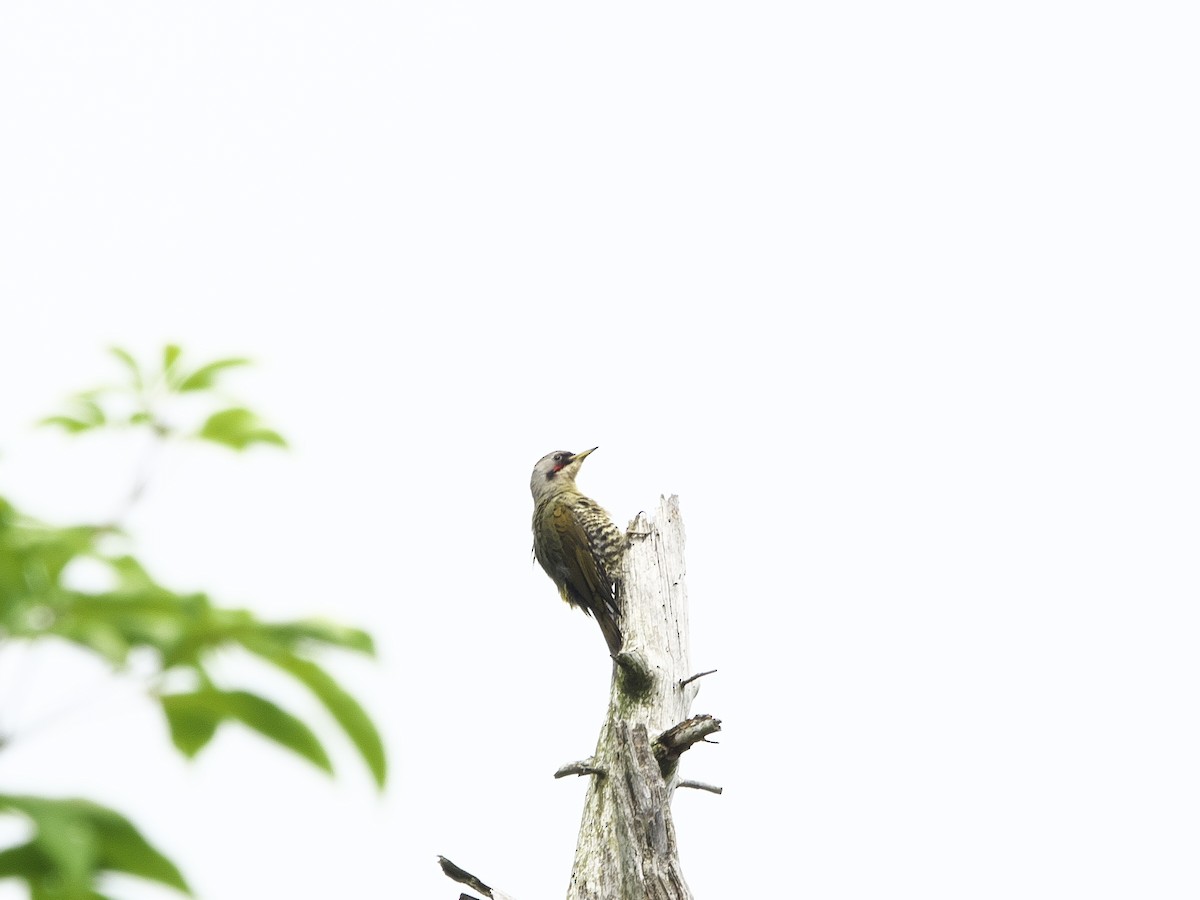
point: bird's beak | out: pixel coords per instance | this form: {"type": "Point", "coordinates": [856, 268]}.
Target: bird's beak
{"type": "Point", "coordinates": [579, 457]}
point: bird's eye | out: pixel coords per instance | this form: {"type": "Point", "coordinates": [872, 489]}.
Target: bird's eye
{"type": "Point", "coordinates": [558, 457]}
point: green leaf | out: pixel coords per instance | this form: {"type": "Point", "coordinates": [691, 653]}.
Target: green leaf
{"type": "Point", "coordinates": [85, 413]}
{"type": "Point", "coordinates": [189, 711]}
{"type": "Point", "coordinates": [343, 707]}
{"type": "Point", "coordinates": [202, 629]}
{"type": "Point", "coordinates": [206, 376]}
{"type": "Point", "coordinates": [193, 721]}
{"type": "Point", "coordinates": [124, 849]}
{"type": "Point", "coordinates": [317, 631]}
{"type": "Point", "coordinates": [170, 355]}
{"type": "Point", "coordinates": [111, 623]}
{"type": "Point", "coordinates": [73, 426]}
{"type": "Point", "coordinates": [130, 363]}
{"type": "Point", "coordinates": [279, 725]}
{"type": "Point", "coordinates": [40, 553]}
{"type": "Point", "coordinates": [76, 840]}
{"type": "Point", "coordinates": [25, 861]}
{"type": "Point", "coordinates": [90, 410]}
{"type": "Point", "coordinates": [238, 428]}
{"type": "Point", "coordinates": [66, 841]}
{"type": "Point", "coordinates": [131, 574]}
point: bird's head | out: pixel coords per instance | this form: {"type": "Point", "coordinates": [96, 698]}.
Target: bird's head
{"type": "Point", "coordinates": [555, 472]}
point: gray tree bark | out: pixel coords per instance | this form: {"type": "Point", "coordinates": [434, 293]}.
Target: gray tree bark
{"type": "Point", "coordinates": [626, 848]}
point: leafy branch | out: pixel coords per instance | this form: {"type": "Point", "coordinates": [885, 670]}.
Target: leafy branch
{"type": "Point", "coordinates": [144, 400]}
{"type": "Point", "coordinates": [74, 841]}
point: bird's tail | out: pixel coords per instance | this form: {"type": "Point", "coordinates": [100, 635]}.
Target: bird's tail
{"type": "Point", "coordinates": [611, 631]}
{"type": "Point", "coordinates": [608, 616]}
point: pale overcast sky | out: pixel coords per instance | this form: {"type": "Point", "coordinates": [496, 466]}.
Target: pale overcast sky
{"type": "Point", "coordinates": [898, 298]}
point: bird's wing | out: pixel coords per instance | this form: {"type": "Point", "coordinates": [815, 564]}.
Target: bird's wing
{"type": "Point", "coordinates": [584, 577]}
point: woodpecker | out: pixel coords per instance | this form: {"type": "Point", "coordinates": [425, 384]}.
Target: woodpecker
{"type": "Point", "coordinates": [576, 542]}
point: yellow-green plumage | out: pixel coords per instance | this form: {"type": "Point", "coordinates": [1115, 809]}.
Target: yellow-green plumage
{"type": "Point", "coordinates": [576, 542]}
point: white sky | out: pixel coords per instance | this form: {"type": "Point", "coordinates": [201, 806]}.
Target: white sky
{"type": "Point", "coordinates": [897, 297]}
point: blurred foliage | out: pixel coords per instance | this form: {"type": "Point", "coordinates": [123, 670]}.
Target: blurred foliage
{"type": "Point", "coordinates": [75, 841]}
{"type": "Point", "coordinates": [142, 400]}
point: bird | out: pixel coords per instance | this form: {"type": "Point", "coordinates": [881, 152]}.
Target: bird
{"type": "Point", "coordinates": [576, 542]}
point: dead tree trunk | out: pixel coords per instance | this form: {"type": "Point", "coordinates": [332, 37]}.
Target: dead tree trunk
{"type": "Point", "coordinates": [626, 848]}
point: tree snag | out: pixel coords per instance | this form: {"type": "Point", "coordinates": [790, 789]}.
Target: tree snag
{"type": "Point", "coordinates": [626, 848]}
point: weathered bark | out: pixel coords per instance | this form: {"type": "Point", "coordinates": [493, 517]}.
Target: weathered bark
{"type": "Point", "coordinates": [626, 848]}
